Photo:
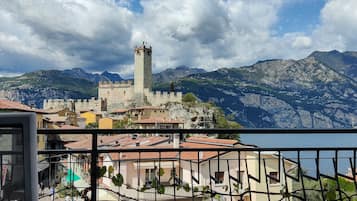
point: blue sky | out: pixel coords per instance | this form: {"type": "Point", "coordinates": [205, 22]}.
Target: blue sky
{"type": "Point", "coordinates": [99, 35]}
{"type": "Point", "coordinates": [299, 16]}
{"type": "Point", "coordinates": [293, 16]}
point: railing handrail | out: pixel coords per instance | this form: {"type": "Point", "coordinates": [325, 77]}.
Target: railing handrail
{"type": "Point", "coordinates": [230, 149]}
{"type": "Point", "coordinates": [260, 131]}
{"type": "Point", "coordinates": [94, 151]}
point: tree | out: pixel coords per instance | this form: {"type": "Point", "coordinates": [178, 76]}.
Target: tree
{"type": "Point", "coordinates": [92, 125]}
{"type": "Point", "coordinates": [124, 123]}
{"type": "Point", "coordinates": [172, 87]}
{"type": "Point", "coordinates": [313, 189]}
{"type": "Point", "coordinates": [227, 122]}
{"type": "Point", "coordinates": [189, 98]}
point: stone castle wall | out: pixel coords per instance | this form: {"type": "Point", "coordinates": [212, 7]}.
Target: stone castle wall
{"type": "Point", "coordinates": [79, 104]}
{"type": "Point", "coordinates": [124, 94]}
{"type": "Point", "coordinates": [117, 94]}
{"type": "Point", "coordinates": [158, 98]}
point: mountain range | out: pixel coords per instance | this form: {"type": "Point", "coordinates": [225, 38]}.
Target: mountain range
{"type": "Point", "coordinates": [318, 91]}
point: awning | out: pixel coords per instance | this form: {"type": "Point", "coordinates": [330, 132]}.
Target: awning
{"type": "Point", "coordinates": [151, 165]}
{"type": "Point", "coordinates": [71, 177]}
{"type": "Point", "coordinates": [42, 165]}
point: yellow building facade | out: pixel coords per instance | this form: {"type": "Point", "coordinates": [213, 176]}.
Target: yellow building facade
{"type": "Point", "coordinates": [105, 123]}
{"type": "Point", "coordinates": [90, 117]}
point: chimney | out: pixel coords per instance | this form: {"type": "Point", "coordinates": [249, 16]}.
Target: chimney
{"type": "Point", "coordinates": [176, 140]}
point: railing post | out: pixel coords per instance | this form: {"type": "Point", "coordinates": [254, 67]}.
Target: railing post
{"type": "Point", "coordinates": [94, 170]}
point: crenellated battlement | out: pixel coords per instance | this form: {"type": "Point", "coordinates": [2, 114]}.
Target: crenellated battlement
{"type": "Point", "coordinates": [64, 101]}
{"type": "Point", "coordinates": [116, 84]}
{"type": "Point", "coordinates": [165, 93]}
{"type": "Point", "coordinates": [162, 97]}
{"type": "Point", "coordinates": [77, 104]}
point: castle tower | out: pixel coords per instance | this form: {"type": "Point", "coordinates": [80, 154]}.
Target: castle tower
{"type": "Point", "coordinates": [143, 72]}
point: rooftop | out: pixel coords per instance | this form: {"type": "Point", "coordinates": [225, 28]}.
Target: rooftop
{"type": "Point", "coordinates": [6, 104]}
{"type": "Point", "coordinates": [158, 121]}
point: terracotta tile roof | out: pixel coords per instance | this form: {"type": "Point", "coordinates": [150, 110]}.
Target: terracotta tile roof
{"type": "Point", "coordinates": [144, 141]}
{"type": "Point", "coordinates": [54, 118]}
{"type": "Point", "coordinates": [145, 155]}
{"type": "Point", "coordinates": [81, 144]}
{"type": "Point", "coordinates": [213, 141]}
{"type": "Point", "coordinates": [6, 104]}
{"type": "Point", "coordinates": [69, 138]}
{"type": "Point", "coordinates": [116, 141]}
{"type": "Point", "coordinates": [69, 127]}
{"type": "Point", "coordinates": [52, 111]}
{"type": "Point", "coordinates": [147, 108]}
{"type": "Point", "coordinates": [126, 142]}
{"type": "Point", "coordinates": [120, 111]}
{"type": "Point", "coordinates": [110, 140]}
{"type": "Point", "coordinates": [158, 120]}
{"type": "Point", "coordinates": [87, 143]}
{"type": "Point", "coordinates": [185, 155]}
{"type": "Point", "coordinates": [194, 154]}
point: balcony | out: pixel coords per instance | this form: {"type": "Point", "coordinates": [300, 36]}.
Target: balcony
{"type": "Point", "coordinates": [167, 164]}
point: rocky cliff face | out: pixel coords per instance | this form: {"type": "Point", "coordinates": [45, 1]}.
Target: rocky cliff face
{"type": "Point", "coordinates": [342, 62]}
{"type": "Point", "coordinates": [280, 93]}
{"type": "Point", "coordinates": [33, 88]}
{"type": "Point", "coordinates": [193, 116]}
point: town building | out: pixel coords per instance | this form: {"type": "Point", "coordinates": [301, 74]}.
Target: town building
{"type": "Point", "coordinates": [227, 173]}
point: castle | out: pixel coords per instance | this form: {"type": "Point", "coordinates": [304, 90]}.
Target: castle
{"type": "Point", "coordinates": [115, 95]}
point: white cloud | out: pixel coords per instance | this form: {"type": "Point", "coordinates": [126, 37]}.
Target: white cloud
{"type": "Point", "coordinates": [302, 42]}
{"type": "Point", "coordinates": [99, 35]}
{"type": "Point", "coordinates": [208, 34]}
{"type": "Point", "coordinates": [65, 33]}
{"type": "Point", "coordinates": [338, 26]}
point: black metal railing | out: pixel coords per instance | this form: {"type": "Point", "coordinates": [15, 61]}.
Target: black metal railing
{"type": "Point", "coordinates": [240, 172]}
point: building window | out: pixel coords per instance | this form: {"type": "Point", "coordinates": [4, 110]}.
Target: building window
{"type": "Point", "coordinates": [149, 175]}
{"type": "Point", "coordinates": [219, 177]}
{"type": "Point", "coordinates": [273, 177]}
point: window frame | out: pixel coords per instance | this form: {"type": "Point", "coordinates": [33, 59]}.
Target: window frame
{"type": "Point", "coordinates": [273, 177]}
{"type": "Point", "coordinates": [217, 178]}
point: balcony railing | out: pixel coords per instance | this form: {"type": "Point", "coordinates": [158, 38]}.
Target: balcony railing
{"type": "Point", "coordinates": [102, 170]}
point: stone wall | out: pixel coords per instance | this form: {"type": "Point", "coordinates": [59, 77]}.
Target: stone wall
{"type": "Point", "coordinates": [79, 104]}
{"type": "Point", "coordinates": [117, 94]}
{"type": "Point", "coordinates": [158, 98]}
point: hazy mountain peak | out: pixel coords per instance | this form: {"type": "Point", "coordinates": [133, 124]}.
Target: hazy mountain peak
{"type": "Point", "coordinates": [342, 62]}
{"type": "Point", "coordinates": [172, 74]}
{"type": "Point", "coordinates": [183, 67]}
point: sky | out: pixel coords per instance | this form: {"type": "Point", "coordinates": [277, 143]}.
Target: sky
{"type": "Point", "coordinates": [99, 35]}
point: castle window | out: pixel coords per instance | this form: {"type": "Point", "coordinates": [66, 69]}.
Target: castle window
{"type": "Point", "coordinates": [124, 92]}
